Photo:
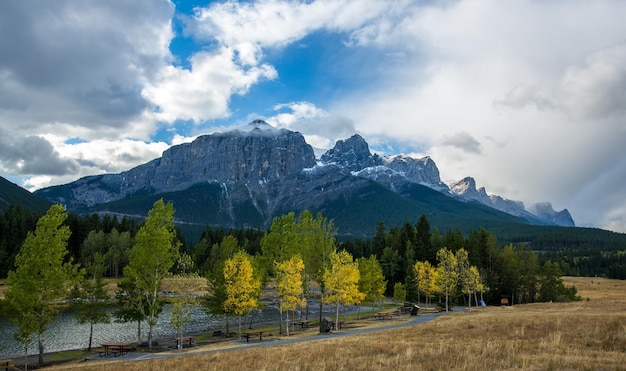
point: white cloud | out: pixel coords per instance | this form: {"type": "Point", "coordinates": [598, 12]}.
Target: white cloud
{"type": "Point", "coordinates": [320, 128]}
{"type": "Point", "coordinates": [203, 91]}
{"type": "Point", "coordinates": [536, 84]}
{"type": "Point", "coordinates": [274, 23]}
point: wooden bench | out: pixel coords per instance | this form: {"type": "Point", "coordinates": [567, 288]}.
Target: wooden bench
{"type": "Point", "coordinates": [186, 340]}
{"type": "Point", "coordinates": [253, 334]}
{"type": "Point", "coordinates": [7, 364]}
{"type": "Point", "coordinates": [115, 349]}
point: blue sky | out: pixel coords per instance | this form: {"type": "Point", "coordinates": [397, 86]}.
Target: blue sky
{"type": "Point", "coordinates": [526, 96]}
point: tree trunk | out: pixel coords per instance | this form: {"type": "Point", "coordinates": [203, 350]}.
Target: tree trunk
{"type": "Point", "coordinates": [90, 335]}
{"type": "Point", "coordinates": [41, 349]}
{"type": "Point", "coordinates": [138, 332]}
{"type": "Point", "coordinates": [280, 319]}
{"type": "Point", "coordinates": [150, 325]}
{"type": "Point", "coordinates": [227, 325]}
{"type": "Point", "coordinates": [287, 325]}
{"type": "Point", "coordinates": [180, 338]}
{"type": "Point", "coordinates": [337, 316]}
{"type": "Point", "coordinates": [26, 357]}
{"type": "Point", "coordinates": [239, 331]}
{"type": "Point", "coordinates": [306, 316]}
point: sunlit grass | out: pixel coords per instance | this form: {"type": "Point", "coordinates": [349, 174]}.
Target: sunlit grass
{"type": "Point", "coordinates": [590, 334]}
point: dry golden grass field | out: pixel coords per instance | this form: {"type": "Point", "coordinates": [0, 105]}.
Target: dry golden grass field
{"type": "Point", "coordinates": [585, 335]}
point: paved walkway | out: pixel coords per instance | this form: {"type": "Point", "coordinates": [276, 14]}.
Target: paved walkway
{"type": "Point", "coordinates": [138, 356]}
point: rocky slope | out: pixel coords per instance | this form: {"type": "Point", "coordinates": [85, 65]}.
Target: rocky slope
{"type": "Point", "coordinates": [540, 213]}
{"type": "Point", "coordinates": [250, 175]}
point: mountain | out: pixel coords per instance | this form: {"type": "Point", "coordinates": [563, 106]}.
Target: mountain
{"type": "Point", "coordinates": [11, 193]}
{"type": "Point", "coordinates": [539, 213]}
{"type": "Point", "coordinates": [250, 175]}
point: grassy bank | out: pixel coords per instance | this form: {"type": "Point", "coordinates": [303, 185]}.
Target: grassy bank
{"type": "Point", "coordinates": [590, 334]}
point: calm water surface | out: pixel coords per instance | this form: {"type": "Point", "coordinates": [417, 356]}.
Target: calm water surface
{"type": "Point", "coordinates": [65, 333]}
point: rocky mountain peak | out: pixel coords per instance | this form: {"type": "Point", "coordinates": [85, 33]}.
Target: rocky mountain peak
{"type": "Point", "coordinates": [541, 213]}
{"type": "Point", "coordinates": [258, 128]}
{"type": "Point", "coordinates": [352, 154]}
{"type": "Point", "coordinates": [545, 210]}
{"type": "Point", "coordinates": [466, 188]}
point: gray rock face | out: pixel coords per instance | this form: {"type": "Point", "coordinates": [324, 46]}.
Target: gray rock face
{"type": "Point", "coordinates": [352, 154]}
{"type": "Point", "coordinates": [257, 153]}
{"type": "Point", "coordinates": [541, 213]}
{"type": "Point", "coordinates": [545, 211]}
{"type": "Point", "coordinates": [260, 170]}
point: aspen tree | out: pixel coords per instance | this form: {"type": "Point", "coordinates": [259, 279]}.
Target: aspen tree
{"type": "Point", "coordinates": [242, 288]}
{"type": "Point", "coordinates": [448, 273]}
{"type": "Point", "coordinates": [342, 281]}
{"type": "Point", "coordinates": [289, 286]}
{"type": "Point", "coordinates": [371, 282]}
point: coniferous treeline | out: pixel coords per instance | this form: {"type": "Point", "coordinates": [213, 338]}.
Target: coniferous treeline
{"type": "Point", "coordinates": [583, 253]}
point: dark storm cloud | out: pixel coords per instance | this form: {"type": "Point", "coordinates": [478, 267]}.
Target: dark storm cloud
{"type": "Point", "coordinates": [33, 155]}
{"type": "Point", "coordinates": [81, 62]}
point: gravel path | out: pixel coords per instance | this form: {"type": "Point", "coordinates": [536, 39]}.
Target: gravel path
{"type": "Point", "coordinates": [242, 344]}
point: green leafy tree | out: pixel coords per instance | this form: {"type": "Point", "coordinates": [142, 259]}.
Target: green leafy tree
{"type": "Point", "coordinates": [371, 280]}
{"type": "Point", "coordinates": [219, 254]}
{"type": "Point", "coordinates": [281, 241]}
{"type": "Point", "coordinates": [399, 293]}
{"type": "Point", "coordinates": [132, 305]}
{"type": "Point", "coordinates": [467, 278]}
{"type": "Point", "coordinates": [242, 288]}
{"type": "Point", "coordinates": [311, 237]}
{"type": "Point", "coordinates": [550, 282]}
{"type": "Point", "coordinates": [342, 281]}
{"type": "Point", "coordinates": [42, 275]}
{"type": "Point", "coordinates": [510, 271]}
{"type": "Point", "coordinates": [90, 298]}
{"type": "Point", "coordinates": [317, 244]}
{"type": "Point", "coordinates": [289, 275]}
{"type": "Point", "coordinates": [448, 275]}
{"type": "Point", "coordinates": [183, 301]}
{"type": "Point", "coordinates": [120, 245]}
{"type": "Point", "coordinates": [154, 254]}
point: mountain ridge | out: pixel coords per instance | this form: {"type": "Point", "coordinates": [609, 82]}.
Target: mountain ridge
{"type": "Point", "coordinates": [251, 174]}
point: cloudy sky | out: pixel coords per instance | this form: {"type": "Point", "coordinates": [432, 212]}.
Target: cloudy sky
{"type": "Point", "coordinates": [526, 96]}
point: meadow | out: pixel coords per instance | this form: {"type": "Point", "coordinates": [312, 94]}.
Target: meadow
{"type": "Point", "coordinates": [584, 335]}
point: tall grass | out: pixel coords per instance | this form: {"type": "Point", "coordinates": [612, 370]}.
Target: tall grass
{"type": "Point", "coordinates": [583, 335]}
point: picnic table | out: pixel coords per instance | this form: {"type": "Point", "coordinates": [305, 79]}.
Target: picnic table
{"type": "Point", "coordinates": [302, 323]}
{"type": "Point", "coordinates": [384, 315]}
{"type": "Point", "coordinates": [6, 364]}
{"type": "Point", "coordinates": [116, 349]}
{"type": "Point", "coordinates": [253, 334]}
{"type": "Point", "coordinates": [185, 340]}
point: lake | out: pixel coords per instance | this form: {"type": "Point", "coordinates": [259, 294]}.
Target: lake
{"type": "Point", "coordinates": [65, 333]}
